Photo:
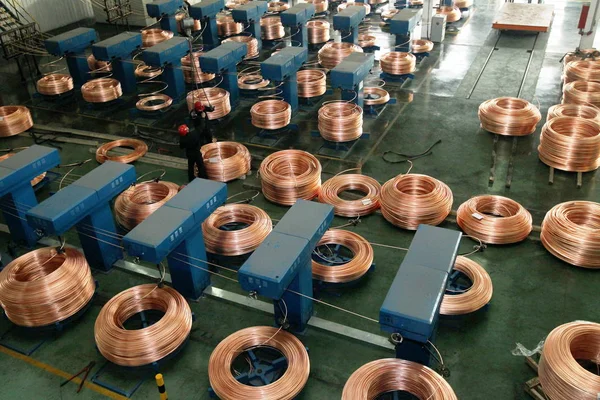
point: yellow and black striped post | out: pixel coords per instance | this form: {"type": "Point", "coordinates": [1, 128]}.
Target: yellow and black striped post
{"type": "Point", "coordinates": [160, 382]}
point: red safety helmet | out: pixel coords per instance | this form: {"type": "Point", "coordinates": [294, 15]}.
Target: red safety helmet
{"type": "Point", "coordinates": [198, 106]}
{"type": "Point", "coordinates": [183, 130]}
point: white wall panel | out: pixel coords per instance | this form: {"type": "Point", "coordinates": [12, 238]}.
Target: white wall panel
{"type": "Point", "coordinates": [52, 14]}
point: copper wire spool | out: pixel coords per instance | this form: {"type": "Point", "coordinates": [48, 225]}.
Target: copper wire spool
{"type": "Point", "coordinates": [419, 46]}
{"type": "Point", "coordinates": [461, 4]}
{"type": "Point", "coordinates": [154, 103]}
{"type": "Point", "coordinates": [139, 149]}
{"type": "Point", "coordinates": [43, 287]}
{"type": "Point", "coordinates": [509, 116]}
{"type": "Point", "coordinates": [494, 219]}
{"type": "Point", "coordinates": [582, 70]}
{"type": "Point", "coordinates": [340, 121]}
{"type": "Point", "coordinates": [580, 54]}
{"type": "Point", "coordinates": [226, 26]}
{"type": "Point", "coordinates": [232, 4]}
{"type": "Point", "coordinates": [213, 96]}
{"type": "Point", "coordinates": [367, 7]}
{"type": "Point", "coordinates": [137, 347]}
{"type": "Point", "coordinates": [352, 270]}
{"type": "Point", "coordinates": [14, 120]}
{"type": "Point", "coordinates": [289, 175]}
{"type": "Point", "coordinates": [368, 204]}
{"type": "Point", "coordinates": [389, 14]}
{"type": "Point", "coordinates": [393, 374]}
{"type": "Point", "coordinates": [101, 90]}
{"type": "Point", "coordinates": [225, 161]}
{"type": "Point", "coordinates": [193, 73]}
{"type": "Point", "coordinates": [154, 36]}
{"type": "Point", "coordinates": [475, 297]}
{"type": "Point", "coordinates": [144, 71]}
{"type": "Point", "coordinates": [320, 5]}
{"type": "Point", "coordinates": [54, 84]}
{"type": "Point", "coordinates": [278, 6]}
{"type": "Point", "coordinates": [571, 232]}
{"type": "Point", "coordinates": [252, 81]}
{"type": "Point", "coordinates": [416, 3]}
{"type": "Point", "coordinates": [311, 83]}
{"type": "Point", "coordinates": [98, 66]}
{"type": "Point", "coordinates": [580, 92]}
{"type": "Point", "coordinates": [251, 44]}
{"type": "Point", "coordinates": [138, 202]}
{"type": "Point", "coordinates": [271, 114]}
{"type": "Point", "coordinates": [318, 31]}
{"type": "Point", "coordinates": [376, 96]}
{"type": "Point", "coordinates": [180, 17]}
{"type": "Point", "coordinates": [240, 241]}
{"type": "Point", "coordinates": [398, 63]}
{"type": "Point", "coordinates": [560, 373]}
{"type": "Point", "coordinates": [271, 28]}
{"type": "Point", "coordinates": [574, 110]}
{"type": "Point", "coordinates": [452, 14]}
{"type": "Point", "coordinates": [35, 180]}
{"type": "Point", "coordinates": [366, 40]}
{"type": "Point", "coordinates": [331, 54]}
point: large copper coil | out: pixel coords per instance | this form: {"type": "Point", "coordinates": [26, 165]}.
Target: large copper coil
{"type": "Point", "coordinates": [289, 175]}
{"type": "Point", "coordinates": [475, 297]}
{"type": "Point", "coordinates": [571, 232]}
{"type": "Point", "coordinates": [271, 28]}
{"type": "Point", "coordinates": [462, 4]}
{"type": "Point", "coordinates": [408, 201]}
{"type": "Point", "coordinates": [331, 54]}
{"type": "Point", "coordinates": [180, 17]}
{"type": "Point", "coordinates": [193, 73]}
{"type": "Point", "coordinates": [375, 96]}
{"type": "Point", "coordinates": [278, 6]}
{"type": "Point", "coordinates": [139, 149]}
{"type": "Point", "coordinates": [580, 92]}
{"type": "Point", "coordinates": [144, 71]}
{"type": "Point", "coordinates": [101, 90]}
{"type": "Point", "coordinates": [232, 4]}
{"type": "Point", "coordinates": [369, 203]}
{"type": "Point", "coordinates": [137, 347]}
{"type": "Point", "coordinates": [494, 219]}
{"type": "Point", "coordinates": [318, 31]}
{"type": "Point", "coordinates": [367, 7]}
{"type": "Point", "coordinates": [98, 66]}
{"type": "Point", "coordinates": [386, 15]}
{"type": "Point", "coordinates": [14, 120]}
{"type": "Point", "coordinates": [35, 180]}
{"type": "Point", "coordinates": [361, 262]}
{"type": "Point", "coordinates": [225, 161]}
{"type": "Point", "coordinates": [154, 36]}
{"type": "Point", "coordinates": [509, 116]}
{"type": "Point", "coordinates": [560, 373]}
{"type": "Point", "coordinates": [271, 114]}
{"type": "Point", "coordinates": [415, 3]}
{"type": "Point", "coordinates": [311, 83]}
{"type": "Point", "coordinates": [45, 286]}
{"type": "Point", "coordinates": [394, 374]}
{"type": "Point", "coordinates": [418, 46]}
{"type": "Point", "coordinates": [340, 121]}
{"type": "Point", "coordinates": [226, 26]}
{"type": "Point", "coordinates": [216, 97]}
{"type": "Point", "coordinates": [54, 84]}
{"type": "Point", "coordinates": [320, 5]}
{"type": "Point", "coordinates": [366, 40]}
{"type": "Point", "coordinates": [574, 110]}
{"type": "Point", "coordinates": [398, 63]}
{"type": "Point", "coordinates": [583, 70]}
{"type": "Point", "coordinates": [252, 81]}
{"type": "Point", "coordinates": [580, 54]}
{"type": "Point", "coordinates": [452, 13]}
{"type": "Point", "coordinates": [138, 202]}
{"type": "Point", "coordinates": [257, 226]}
{"type": "Point", "coordinates": [154, 103]}
{"type": "Point", "coordinates": [251, 44]}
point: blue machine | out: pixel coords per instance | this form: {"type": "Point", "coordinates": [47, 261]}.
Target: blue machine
{"type": "Point", "coordinates": [85, 204]}
{"type": "Point", "coordinates": [72, 45]}
{"type": "Point", "coordinates": [403, 24]}
{"type": "Point", "coordinates": [223, 60]}
{"type": "Point", "coordinates": [283, 68]}
{"type": "Point", "coordinates": [118, 50]}
{"type": "Point", "coordinates": [250, 14]}
{"type": "Point", "coordinates": [411, 308]}
{"type": "Point", "coordinates": [296, 18]}
{"type": "Point", "coordinates": [174, 231]}
{"type": "Point", "coordinates": [347, 22]}
{"type": "Point", "coordinates": [282, 263]}
{"type": "Point", "coordinates": [206, 12]}
{"type": "Point", "coordinates": [165, 11]}
{"type": "Point", "coordinates": [349, 75]}
{"type": "Point", "coordinates": [168, 55]}
{"type": "Point", "coordinates": [16, 193]}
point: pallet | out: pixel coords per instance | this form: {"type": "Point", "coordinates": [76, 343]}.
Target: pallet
{"type": "Point", "coordinates": [579, 178]}
{"type": "Point", "coordinates": [524, 17]}
{"type": "Point", "coordinates": [533, 387]}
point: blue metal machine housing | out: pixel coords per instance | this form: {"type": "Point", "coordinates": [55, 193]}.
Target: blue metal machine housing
{"type": "Point", "coordinates": [283, 68]}
{"type": "Point", "coordinates": [72, 44]}
{"type": "Point", "coordinates": [347, 21]}
{"type": "Point", "coordinates": [250, 14]}
{"type": "Point", "coordinates": [350, 74]}
{"type": "Point", "coordinates": [206, 12]}
{"type": "Point", "coordinates": [223, 60]}
{"type": "Point", "coordinates": [118, 50]}
{"type": "Point", "coordinates": [168, 55]}
{"type": "Point", "coordinates": [165, 10]}
{"type": "Point", "coordinates": [403, 24]}
{"type": "Point", "coordinates": [296, 18]}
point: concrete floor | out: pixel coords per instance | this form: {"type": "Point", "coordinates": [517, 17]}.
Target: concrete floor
{"type": "Point", "coordinates": [533, 291]}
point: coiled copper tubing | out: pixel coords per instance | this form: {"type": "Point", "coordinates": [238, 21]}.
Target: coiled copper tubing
{"type": "Point", "coordinates": [226, 26]}
{"type": "Point", "coordinates": [418, 46]}
{"type": "Point", "coordinates": [271, 114]}
{"type": "Point", "coordinates": [35, 180]}
{"type": "Point", "coordinates": [359, 265]}
{"type": "Point", "coordinates": [54, 84]}
{"type": "Point", "coordinates": [193, 73]}
{"type": "Point", "coordinates": [138, 202]}
{"type": "Point", "coordinates": [574, 110]}
{"type": "Point", "coordinates": [216, 97]}
{"type": "Point", "coordinates": [232, 4]}
{"type": "Point", "coordinates": [154, 36]}
{"type": "Point", "coordinates": [278, 6]}
{"type": "Point", "coordinates": [582, 70]}
{"type": "Point", "coordinates": [252, 81]}
{"type": "Point", "coordinates": [320, 5]}
{"type": "Point", "coordinates": [251, 44]}
{"type": "Point", "coordinates": [154, 103]}
{"type": "Point", "coordinates": [98, 66]}
{"type": "Point", "coordinates": [331, 54]}
{"type": "Point", "coordinates": [271, 27]}
{"type": "Point", "coordinates": [580, 92]}
{"type": "Point", "coordinates": [14, 120]}
{"type": "Point", "coordinates": [509, 116]}
{"type": "Point", "coordinates": [398, 63]}
{"type": "Point", "coordinates": [318, 31]}
{"type": "Point", "coordinates": [311, 83]}
{"type": "Point", "coordinates": [452, 13]}
{"type": "Point", "coordinates": [375, 96]}
{"type": "Point", "coordinates": [340, 121]}
{"type": "Point", "coordinates": [460, 4]}
{"type": "Point", "coordinates": [366, 40]}
{"type": "Point", "coordinates": [144, 71]}
{"type": "Point", "coordinates": [475, 297]}
{"type": "Point", "coordinates": [332, 188]}
{"type": "Point", "coordinates": [139, 149]}
{"type": "Point", "coordinates": [580, 54]}
{"type": "Point", "coordinates": [101, 90]}
{"type": "Point", "coordinates": [225, 161]}
{"type": "Point", "coordinates": [367, 7]}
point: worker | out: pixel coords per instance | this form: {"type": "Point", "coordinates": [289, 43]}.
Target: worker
{"type": "Point", "coordinates": [193, 140]}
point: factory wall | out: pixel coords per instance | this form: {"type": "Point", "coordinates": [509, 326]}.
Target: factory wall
{"type": "Point", "coordinates": [52, 14]}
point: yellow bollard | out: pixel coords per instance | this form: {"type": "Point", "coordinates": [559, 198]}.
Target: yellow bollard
{"type": "Point", "coordinates": [160, 382]}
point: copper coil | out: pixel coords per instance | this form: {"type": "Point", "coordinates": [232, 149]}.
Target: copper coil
{"type": "Point", "coordinates": [271, 28]}
{"type": "Point", "coordinates": [278, 6]}
{"type": "Point", "coordinates": [320, 5]}
{"type": "Point", "coordinates": [560, 373]}
{"type": "Point", "coordinates": [138, 202]}
{"type": "Point", "coordinates": [35, 180]}
{"type": "Point", "coordinates": [154, 36]}
{"type": "Point", "coordinates": [340, 121]}
{"type": "Point", "coordinates": [311, 83]}
{"type": "Point", "coordinates": [376, 2]}
{"type": "Point", "coordinates": [369, 203]}
{"type": "Point", "coordinates": [14, 120]}
{"type": "Point", "coordinates": [213, 96]}
{"type": "Point", "coordinates": [582, 70]}
{"type": "Point", "coordinates": [226, 26]}
{"type": "Point", "coordinates": [367, 7]}
{"type": "Point", "coordinates": [251, 44]}
{"type": "Point", "coordinates": [99, 66]}
{"type": "Point", "coordinates": [398, 63]}
{"type": "Point", "coordinates": [580, 54]}
{"type": "Point", "coordinates": [318, 31]}
{"type": "Point", "coordinates": [494, 219]}
{"type": "Point", "coordinates": [331, 54]}
{"type": "Point", "coordinates": [225, 161]}
{"type": "Point", "coordinates": [43, 287]}
{"type": "Point", "coordinates": [240, 241]}
{"type": "Point", "coordinates": [393, 374]}
{"type": "Point", "coordinates": [144, 71]}
{"type": "Point", "coordinates": [571, 232]}
{"type": "Point", "coordinates": [193, 73]}
{"type": "Point", "coordinates": [101, 90]}
{"type": "Point", "coordinates": [461, 4]}
{"type": "Point", "coordinates": [252, 81]}
{"type": "Point", "coordinates": [509, 116]}
{"type": "Point", "coordinates": [366, 40]}
{"type": "Point", "coordinates": [54, 84]}
{"type": "Point", "coordinates": [452, 14]}
{"type": "Point", "coordinates": [232, 4]}
{"type": "Point", "coordinates": [137, 347]}
{"type": "Point", "coordinates": [271, 114]}
{"type": "Point", "coordinates": [289, 175]}
{"type": "Point", "coordinates": [475, 297]}
{"type": "Point", "coordinates": [570, 144]}
{"type": "Point", "coordinates": [419, 46]}
{"type": "Point", "coordinates": [375, 96]}
{"type": "Point", "coordinates": [574, 110]}
{"type": "Point", "coordinates": [389, 14]}
{"type": "Point", "coordinates": [139, 149]}
{"type": "Point", "coordinates": [580, 92]}
{"type": "Point", "coordinates": [154, 103]}
{"type": "Point", "coordinates": [362, 257]}
{"type": "Point", "coordinates": [416, 3]}
{"type": "Point", "coordinates": [180, 17]}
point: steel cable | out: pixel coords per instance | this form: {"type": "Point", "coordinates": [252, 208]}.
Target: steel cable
{"type": "Point", "coordinates": [368, 204]}
{"type": "Point", "coordinates": [138, 202]}
{"type": "Point", "coordinates": [509, 116]}
{"type": "Point", "coordinates": [475, 297]}
{"type": "Point", "coordinates": [14, 120]}
{"type": "Point", "coordinates": [271, 114]}
{"type": "Point", "coordinates": [139, 149]}
{"type": "Point", "coordinates": [225, 161]}
{"type": "Point", "coordinates": [340, 121]}
{"type": "Point", "coordinates": [362, 257]}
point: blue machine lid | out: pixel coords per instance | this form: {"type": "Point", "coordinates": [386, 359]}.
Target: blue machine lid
{"type": "Point", "coordinates": [109, 179]}
{"type": "Point", "coordinates": [296, 222]}
{"type": "Point", "coordinates": [434, 247]}
{"type": "Point", "coordinates": [201, 197]}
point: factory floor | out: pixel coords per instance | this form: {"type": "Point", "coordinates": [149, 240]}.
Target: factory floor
{"type": "Point", "coordinates": [533, 291]}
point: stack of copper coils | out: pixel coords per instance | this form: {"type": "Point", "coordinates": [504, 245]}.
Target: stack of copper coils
{"type": "Point", "coordinates": [140, 347]}
{"type": "Point", "coordinates": [583, 70]}
{"type": "Point", "coordinates": [138, 202]}
{"type": "Point", "coordinates": [340, 121]}
{"type": "Point", "coordinates": [225, 161]}
{"type": "Point", "coordinates": [237, 241]}
{"type": "Point", "coordinates": [180, 17]}
{"type": "Point", "coordinates": [418, 46]}
{"type": "Point", "coordinates": [560, 373]}
{"type": "Point", "coordinates": [139, 149]}
{"type": "Point", "coordinates": [101, 90]}
{"type": "Point", "coordinates": [320, 5]}
{"type": "Point", "coordinates": [389, 14]}
{"type": "Point", "coordinates": [571, 232]}
{"type": "Point", "coordinates": [35, 180]}
{"type": "Point", "coordinates": [271, 114]}
{"type": "Point", "coordinates": [473, 298]}
{"type": "Point", "coordinates": [361, 262]}
{"type": "Point", "coordinates": [369, 203]}
{"type": "Point", "coordinates": [367, 7]}
{"type": "Point", "coordinates": [98, 66]}
{"type": "Point", "coordinates": [331, 54]}
{"type": "Point", "coordinates": [251, 44]}
{"type": "Point", "coordinates": [318, 31]}
{"type": "Point", "coordinates": [394, 374]}
{"type": "Point", "coordinates": [54, 84]}
{"type": "Point", "coordinates": [494, 219]}
{"type": "Point", "coordinates": [311, 83]}
{"type": "Point", "coordinates": [154, 36]}
{"type": "Point", "coordinates": [213, 97]}
{"type": "Point", "coordinates": [251, 79]}
{"type": "Point", "coordinates": [375, 96]}
{"type": "Point", "coordinates": [509, 116]}
{"type": "Point", "coordinates": [452, 13]}
{"type": "Point", "coordinates": [226, 26]}
{"type": "Point", "coordinates": [192, 72]}
{"type": "Point", "coordinates": [278, 6]}
{"type": "Point", "coordinates": [398, 63]}
{"type": "Point", "coordinates": [574, 110]}
{"type": "Point", "coordinates": [45, 286]}
{"type": "Point", "coordinates": [366, 40]}
{"type": "Point", "coordinates": [289, 175]}
{"type": "Point", "coordinates": [271, 28]}
{"type": "Point", "coordinates": [14, 120]}
{"type": "Point", "coordinates": [580, 54]}
{"type": "Point", "coordinates": [580, 92]}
